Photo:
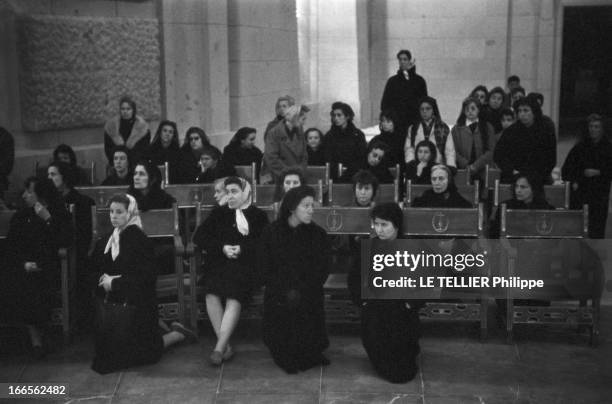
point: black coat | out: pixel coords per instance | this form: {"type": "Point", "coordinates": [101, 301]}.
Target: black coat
{"type": "Point", "coordinates": [430, 199]}
{"type": "Point", "coordinates": [7, 158]}
{"type": "Point", "coordinates": [159, 155]}
{"type": "Point", "coordinates": [294, 266]}
{"type": "Point", "coordinates": [527, 150]}
{"type": "Point", "coordinates": [316, 157]}
{"type": "Point", "coordinates": [222, 169]}
{"type": "Point", "coordinates": [411, 173]}
{"type": "Point", "coordinates": [188, 168]}
{"type": "Point", "coordinates": [114, 181]}
{"type": "Point", "coordinates": [136, 287]}
{"type": "Point", "coordinates": [402, 96]}
{"type": "Point", "coordinates": [28, 297]}
{"type": "Point", "coordinates": [82, 206]}
{"type": "Point", "coordinates": [346, 146]}
{"type": "Point", "coordinates": [227, 277]}
{"type": "Point", "coordinates": [235, 155]}
{"type": "Point", "coordinates": [156, 198]}
{"type": "Point", "coordinates": [593, 191]}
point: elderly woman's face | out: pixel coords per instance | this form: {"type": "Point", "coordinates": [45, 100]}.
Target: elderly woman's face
{"type": "Point", "coordinates": [303, 212]}
{"type": "Point", "coordinates": [141, 178]}
{"type": "Point", "coordinates": [291, 181]}
{"type": "Point", "coordinates": [54, 175]}
{"type": "Point", "coordinates": [471, 111]}
{"type": "Point", "coordinates": [439, 181]}
{"type": "Point", "coordinates": [118, 215]}
{"type": "Point", "coordinates": [523, 190]}
{"type": "Point", "coordinates": [167, 133]}
{"type": "Point", "coordinates": [219, 191]}
{"type": "Point", "coordinates": [234, 195]}
{"type": "Point", "coordinates": [385, 230]}
{"type": "Point", "coordinates": [126, 110]}
{"type": "Point", "coordinates": [338, 118]}
{"type": "Point", "coordinates": [595, 130]}
{"type": "Point", "coordinates": [525, 115]}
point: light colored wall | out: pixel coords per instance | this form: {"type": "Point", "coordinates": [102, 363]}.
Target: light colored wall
{"type": "Point", "coordinates": [263, 60]}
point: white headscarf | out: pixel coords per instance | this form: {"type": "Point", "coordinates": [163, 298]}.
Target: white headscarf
{"type": "Point", "coordinates": [241, 222]}
{"type": "Point", "coordinates": [133, 219]}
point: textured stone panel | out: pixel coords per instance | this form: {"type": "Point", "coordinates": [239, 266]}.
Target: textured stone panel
{"type": "Point", "coordinates": [74, 70]}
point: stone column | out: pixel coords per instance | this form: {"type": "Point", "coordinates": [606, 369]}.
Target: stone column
{"type": "Point", "coordinates": [195, 72]}
{"type": "Point", "coordinates": [10, 111]}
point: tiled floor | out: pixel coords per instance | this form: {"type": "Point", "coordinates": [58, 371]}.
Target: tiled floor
{"type": "Point", "coordinates": [542, 366]}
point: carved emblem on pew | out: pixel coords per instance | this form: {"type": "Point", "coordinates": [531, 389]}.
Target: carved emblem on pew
{"type": "Point", "coordinates": [544, 225]}
{"type": "Point", "coordinates": [334, 220]}
{"type": "Point", "coordinates": [196, 196]}
{"type": "Point", "coordinates": [440, 222]}
{"type": "Point", "coordinates": [101, 199]}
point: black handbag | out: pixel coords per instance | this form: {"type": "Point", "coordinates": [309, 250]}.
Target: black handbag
{"type": "Point", "coordinates": [115, 322]}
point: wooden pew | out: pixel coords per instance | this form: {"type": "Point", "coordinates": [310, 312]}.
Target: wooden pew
{"type": "Point", "coordinates": [343, 194]}
{"type": "Point", "coordinates": [557, 195]}
{"type": "Point", "coordinates": [161, 223]}
{"type": "Point", "coordinates": [470, 192]}
{"type": "Point", "coordinates": [447, 223]}
{"type": "Point", "coordinates": [315, 173]}
{"type": "Point", "coordinates": [60, 316]}
{"type": "Point", "coordinates": [558, 236]}
{"type": "Point", "coordinates": [164, 170]}
{"type": "Point", "coordinates": [101, 194]}
{"type": "Point", "coordinates": [491, 175]}
{"type": "Point", "coordinates": [249, 173]}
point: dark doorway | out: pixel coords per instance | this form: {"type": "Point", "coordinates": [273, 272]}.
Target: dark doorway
{"type": "Point", "coordinates": [586, 65]}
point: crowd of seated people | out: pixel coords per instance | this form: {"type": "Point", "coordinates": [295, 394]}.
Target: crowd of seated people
{"type": "Point", "coordinates": [288, 256]}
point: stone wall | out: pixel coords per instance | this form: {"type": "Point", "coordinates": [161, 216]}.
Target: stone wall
{"type": "Point", "coordinates": [73, 70]}
{"type": "Point", "coordinates": [263, 59]}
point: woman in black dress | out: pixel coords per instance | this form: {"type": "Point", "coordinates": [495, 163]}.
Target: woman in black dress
{"type": "Point", "coordinates": [344, 143]}
{"type": "Point", "coordinates": [588, 167]}
{"type": "Point", "coordinates": [189, 165]}
{"type": "Point", "coordinates": [146, 188]}
{"type": "Point", "coordinates": [241, 150]}
{"type": "Point", "coordinates": [165, 148]}
{"type": "Point", "coordinates": [126, 268]}
{"type": "Point", "coordinates": [294, 263]}
{"type": "Point", "coordinates": [390, 329]}
{"type": "Point", "coordinates": [443, 194]}
{"type": "Point", "coordinates": [229, 237]}
{"type": "Point", "coordinates": [314, 147]}
{"type": "Point", "coordinates": [30, 272]}
{"type": "Point", "coordinates": [212, 166]}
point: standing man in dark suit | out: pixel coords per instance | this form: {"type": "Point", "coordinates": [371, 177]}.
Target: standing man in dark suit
{"type": "Point", "coordinates": [403, 91]}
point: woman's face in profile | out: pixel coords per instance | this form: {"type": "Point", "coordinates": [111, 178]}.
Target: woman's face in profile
{"type": "Point", "coordinates": [291, 181]}
{"type": "Point", "coordinates": [249, 141]}
{"type": "Point", "coordinates": [219, 191]}
{"type": "Point", "coordinates": [523, 190]}
{"type": "Point", "coordinates": [126, 110]}
{"type": "Point", "coordinates": [141, 178]}
{"type": "Point", "coordinates": [54, 175]}
{"type": "Point", "coordinates": [384, 229]}
{"type": "Point", "coordinates": [118, 215]}
{"type": "Point", "coordinates": [234, 195]}
{"type": "Point", "coordinates": [303, 212]}
{"type": "Point", "coordinates": [439, 181]}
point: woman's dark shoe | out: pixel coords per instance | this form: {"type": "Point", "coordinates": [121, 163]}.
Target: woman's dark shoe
{"type": "Point", "coordinates": [228, 354]}
{"type": "Point", "coordinates": [190, 336]}
{"type": "Point", "coordinates": [215, 358]}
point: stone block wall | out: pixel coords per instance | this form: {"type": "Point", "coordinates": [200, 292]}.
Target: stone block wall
{"type": "Point", "coordinates": [73, 70]}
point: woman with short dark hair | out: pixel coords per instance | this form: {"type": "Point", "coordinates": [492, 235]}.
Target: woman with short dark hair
{"type": "Point", "coordinates": [229, 236]}
{"type": "Point", "coordinates": [122, 168]}
{"type": "Point", "coordinates": [30, 276]}
{"type": "Point", "coordinates": [529, 145]}
{"type": "Point", "coordinates": [365, 187]}
{"type": "Point", "coordinates": [314, 147]}
{"type": "Point", "coordinates": [294, 255]}
{"type": "Point", "coordinates": [344, 143]}
{"type": "Point", "coordinates": [213, 166]}
{"type": "Point", "coordinates": [241, 150]}
{"type": "Point", "coordinates": [292, 177]}
{"type": "Point", "coordinates": [392, 137]}
{"type": "Point", "coordinates": [390, 329]}
{"type": "Point", "coordinates": [127, 129]}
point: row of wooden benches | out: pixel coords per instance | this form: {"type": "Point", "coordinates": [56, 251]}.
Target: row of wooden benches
{"type": "Point", "coordinates": [421, 222]}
